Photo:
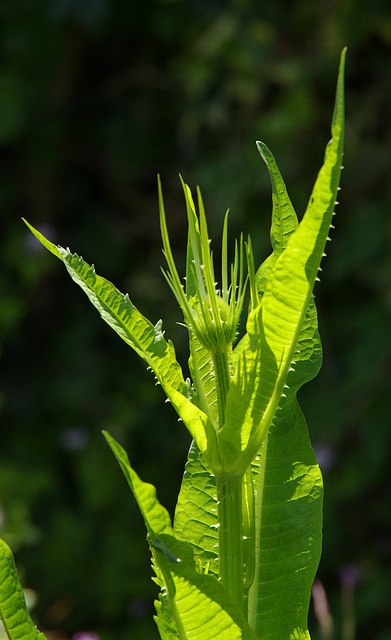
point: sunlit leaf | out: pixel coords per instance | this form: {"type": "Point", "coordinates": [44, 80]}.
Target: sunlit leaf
{"type": "Point", "coordinates": [274, 326]}
{"type": "Point", "coordinates": [13, 610]}
{"type": "Point", "coordinates": [145, 338]}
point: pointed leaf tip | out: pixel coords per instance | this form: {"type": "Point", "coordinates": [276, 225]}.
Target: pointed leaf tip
{"type": "Point", "coordinates": [44, 241]}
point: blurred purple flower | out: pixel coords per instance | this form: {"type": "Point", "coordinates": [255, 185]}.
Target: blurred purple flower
{"type": "Point", "coordinates": [350, 575]}
{"type": "Point", "coordinates": [85, 635]}
{"type": "Point", "coordinates": [74, 438]}
{"type": "Point", "coordinates": [138, 607]}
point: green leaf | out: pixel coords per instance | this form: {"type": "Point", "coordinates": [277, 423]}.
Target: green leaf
{"type": "Point", "coordinates": [196, 511]}
{"type": "Point", "coordinates": [145, 338]}
{"type": "Point", "coordinates": [200, 363]}
{"type": "Point", "coordinates": [274, 326]}
{"type": "Point", "coordinates": [200, 607]}
{"type": "Point", "coordinates": [289, 495]}
{"type": "Point", "coordinates": [284, 223]}
{"type": "Point", "coordinates": [164, 618]}
{"type": "Point", "coordinates": [287, 479]}
{"type": "Point", "coordinates": [284, 219]}
{"type": "Point", "coordinates": [121, 315]}
{"type": "Point", "coordinates": [13, 610]}
{"type": "Point", "coordinates": [288, 488]}
{"type": "Point", "coordinates": [202, 373]}
{"type": "Point", "coordinates": [194, 251]}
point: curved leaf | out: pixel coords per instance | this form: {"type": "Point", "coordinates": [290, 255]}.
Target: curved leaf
{"type": "Point", "coordinates": [284, 219]}
{"type": "Point", "coordinates": [121, 315]}
{"type": "Point", "coordinates": [145, 338]}
{"type": "Point", "coordinates": [13, 610]}
{"type": "Point", "coordinates": [284, 223]}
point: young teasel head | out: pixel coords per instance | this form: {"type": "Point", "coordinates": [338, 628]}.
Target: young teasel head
{"type": "Point", "coordinates": [211, 314]}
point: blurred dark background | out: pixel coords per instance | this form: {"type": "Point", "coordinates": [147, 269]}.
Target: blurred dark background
{"type": "Point", "coordinates": [96, 98]}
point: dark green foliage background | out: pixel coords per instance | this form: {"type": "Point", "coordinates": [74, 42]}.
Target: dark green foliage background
{"type": "Point", "coordinates": [96, 97]}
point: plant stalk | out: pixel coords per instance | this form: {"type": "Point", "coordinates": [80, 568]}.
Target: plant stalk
{"type": "Point", "coordinates": [221, 369]}
{"type": "Point", "coordinates": [229, 504]}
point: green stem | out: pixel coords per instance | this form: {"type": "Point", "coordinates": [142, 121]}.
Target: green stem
{"type": "Point", "coordinates": [248, 519]}
{"type": "Point", "coordinates": [229, 500]}
{"type": "Point", "coordinates": [229, 504]}
{"type": "Point", "coordinates": [221, 369]}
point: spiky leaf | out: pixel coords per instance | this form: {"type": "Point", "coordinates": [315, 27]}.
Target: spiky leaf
{"type": "Point", "coordinates": [145, 338]}
{"type": "Point", "coordinates": [274, 326]}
